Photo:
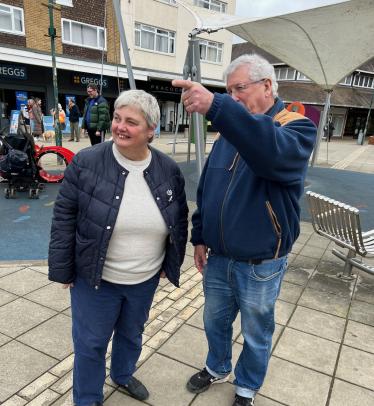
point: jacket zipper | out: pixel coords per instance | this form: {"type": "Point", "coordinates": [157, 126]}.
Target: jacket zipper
{"type": "Point", "coordinates": [277, 227]}
{"type": "Point", "coordinates": [223, 203]}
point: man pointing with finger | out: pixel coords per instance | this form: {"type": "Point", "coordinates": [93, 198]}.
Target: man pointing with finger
{"type": "Point", "coordinates": [247, 216]}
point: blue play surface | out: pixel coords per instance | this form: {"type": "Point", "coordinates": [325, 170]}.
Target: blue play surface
{"type": "Point", "coordinates": [25, 223]}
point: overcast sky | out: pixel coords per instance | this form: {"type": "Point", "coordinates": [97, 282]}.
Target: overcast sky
{"type": "Point", "coordinates": [268, 8]}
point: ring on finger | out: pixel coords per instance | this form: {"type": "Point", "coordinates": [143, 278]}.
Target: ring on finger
{"type": "Point", "coordinates": [187, 102]}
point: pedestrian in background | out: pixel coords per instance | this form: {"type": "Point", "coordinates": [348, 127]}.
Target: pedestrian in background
{"type": "Point", "coordinates": [74, 115]}
{"type": "Point", "coordinates": [29, 105]}
{"type": "Point", "coordinates": [331, 129]}
{"type": "Point", "coordinates": [119, 225]}
{"type": "Point", "coordinates": [38, 119]}
{"type": "Point", "coordinates": [96, 118]}
{"type": "Point", "coordinates": [248, 216]}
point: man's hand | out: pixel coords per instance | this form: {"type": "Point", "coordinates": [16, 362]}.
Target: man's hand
{"type": "Point", "coordinates": [196, 97]}
{"type": "Point", "coordinates": [163, 275]}
{"type": "Point", "coordinates": [66, 285]}
{"type": "Point", "coordinates": [97, 133]}
{"type": "Point", "coordinates": [200, 257]}
{"type": "Point", "coordinates": [83, 131]}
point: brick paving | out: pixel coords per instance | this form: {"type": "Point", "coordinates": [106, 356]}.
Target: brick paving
{"type": "Point", "coordinates": [323, 346]}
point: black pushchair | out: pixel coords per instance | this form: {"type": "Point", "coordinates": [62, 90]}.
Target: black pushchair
{"type": "Point", "coordinates": [18, 165]}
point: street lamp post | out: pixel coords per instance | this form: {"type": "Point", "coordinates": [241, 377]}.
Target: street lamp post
{"type": "Point", "coordinates": [52, 35]}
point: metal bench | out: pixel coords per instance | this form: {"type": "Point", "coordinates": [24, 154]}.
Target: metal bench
{"type": "Point", "coordinates": [341, 224]}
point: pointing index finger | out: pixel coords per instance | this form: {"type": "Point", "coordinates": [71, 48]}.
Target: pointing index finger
{"type": "Point", "coordinates": [186, 84]}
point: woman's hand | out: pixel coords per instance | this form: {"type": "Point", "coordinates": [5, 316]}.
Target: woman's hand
{"type": "Point", "coordinates": [163, 275]}
{"type": "Point", "coordinates": [97, 133]}
{"type": "Point", "coordinates": [66, 285]}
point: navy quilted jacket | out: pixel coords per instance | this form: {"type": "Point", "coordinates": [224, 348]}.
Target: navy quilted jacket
{"type": "Point", "coordinates": [87, 206]}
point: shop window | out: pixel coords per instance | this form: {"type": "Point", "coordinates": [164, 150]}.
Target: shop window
{"type": "Point", "coordinates": [347, 81]}
{"type": "Point", "coordinates": [210, 51]}
{"type": "Point", "coordinates": [285, 73]}
{"type": "Point", "coordinates": [11, 20]}
{"type": "Point", "coordinates": [84, 35]}
{"type": "Point", "coordinates": [213, 5]}
{"type": "Point", "coordinates": [154, 39]}
{"type": "Point", "coordinates": [300, 76]}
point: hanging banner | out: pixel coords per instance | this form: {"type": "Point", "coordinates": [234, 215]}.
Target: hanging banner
{"type": "Point", "coordinates": [67, 97]}
{"type": "Point", "coordinates": [14, 119]}
{"type": "Point", "coordinates": [21, 100]}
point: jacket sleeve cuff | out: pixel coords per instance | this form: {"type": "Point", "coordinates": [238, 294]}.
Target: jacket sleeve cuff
{"type": "Point", "coordinates": [195, 242]}
{"type": "Point", "coordinates": [214, 107]}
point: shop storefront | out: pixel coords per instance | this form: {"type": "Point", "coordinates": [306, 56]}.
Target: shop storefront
{"type": "Point", "coordinates": [169, 98]}
{"type": "Point", "coordinates": [30, 81]}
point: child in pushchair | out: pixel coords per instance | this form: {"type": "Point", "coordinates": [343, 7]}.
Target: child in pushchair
{"type": "Point", "coordinates": [18, 165]}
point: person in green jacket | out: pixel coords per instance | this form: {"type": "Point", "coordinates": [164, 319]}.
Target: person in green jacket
{"type": "Point", "coordinates": [96, 119]}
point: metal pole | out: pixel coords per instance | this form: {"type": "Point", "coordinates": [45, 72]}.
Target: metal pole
{"type": "Point", "coordinates": [367, 120]}
{"type": "Point", "coordinates": [102, 52]}
{"type": "Point", "coordinates": [180, 107]}
{"type": "Point", "coordinates": [320, 129]}
{"type": "Point", "coordinates": [52, 34]}
{"type": "Point", "coordinates": [125, 49]}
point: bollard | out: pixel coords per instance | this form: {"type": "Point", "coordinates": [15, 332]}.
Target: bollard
{"type": "Point", "coordinates": [185, 135]}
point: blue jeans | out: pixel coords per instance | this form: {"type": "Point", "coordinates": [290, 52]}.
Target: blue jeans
{"type": "Point", "coordinates": [230, 286]}
{"type": "Point", "coordinates": [122, 308]}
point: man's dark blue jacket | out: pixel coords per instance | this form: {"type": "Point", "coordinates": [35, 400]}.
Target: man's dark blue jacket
{"type": "Point", "coordinates": [74, 114]}
{"type": "Point", "coordinates": [87, 206]}
{"type": "Point", "coordinates": [249, 191]}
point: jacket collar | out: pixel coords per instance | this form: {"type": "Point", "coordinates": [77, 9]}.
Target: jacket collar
{"type": "Point", "coordinates": [276, 108]}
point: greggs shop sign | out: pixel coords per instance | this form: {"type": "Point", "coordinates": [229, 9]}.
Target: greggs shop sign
{"type": "Point", "coordinates": [84, 80]}
{"type": "Point", "coordinates": [13, 72]}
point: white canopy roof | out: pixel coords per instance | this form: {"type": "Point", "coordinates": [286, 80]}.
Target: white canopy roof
{"type": "Point", "coordinates": [325, 44]}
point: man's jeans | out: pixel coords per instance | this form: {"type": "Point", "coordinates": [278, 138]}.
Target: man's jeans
{"type": "Point", "coordinates": [230, 286]}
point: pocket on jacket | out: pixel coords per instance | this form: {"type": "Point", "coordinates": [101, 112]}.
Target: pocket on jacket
{"type": "Point", "coordinates": [84, 250]}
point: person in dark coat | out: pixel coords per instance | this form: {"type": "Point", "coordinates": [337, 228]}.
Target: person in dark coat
{"type": "Point", "coordinates": [119, 225]}
{"type": "Point", "coordinates": [74, 115]}
{"type": "Point", "coordinates": [96, 117]}
{"type": "Point", "coordinates": [331, 129]}
{"type": "Point", "coordinates": [38, 119]}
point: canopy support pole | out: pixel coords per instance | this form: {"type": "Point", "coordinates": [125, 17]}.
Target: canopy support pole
{"type": "Point", "coordinates": [367, 120]}
{"type": "Point", "coordinates": [192, 67]}
{"type": "Point", "coordinates": [125, 48]}
{"type": "Point", "coordinates": [320, 129]}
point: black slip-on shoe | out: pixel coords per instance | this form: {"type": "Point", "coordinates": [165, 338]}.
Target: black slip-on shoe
{"type": "Point", "coordinates": [242, 401]}
{"type": "Point", "coordinates": [136, 389]}
{"type": "Point", "coordinates": [201, 381]}
{"type": "Point", "coordinates": [97, 403]}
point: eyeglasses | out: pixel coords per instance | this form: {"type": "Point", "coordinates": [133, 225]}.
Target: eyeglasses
{"type": "Point", "coordinates": [240, 89]}
{"type": "Point", "coordinates": [89, 91]}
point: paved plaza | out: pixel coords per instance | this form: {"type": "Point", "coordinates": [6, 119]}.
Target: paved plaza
{"type": "Point", "coordinates": [323, 346]}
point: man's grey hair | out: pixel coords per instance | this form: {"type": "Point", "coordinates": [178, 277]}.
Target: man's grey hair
{"type": "Point", "coordinates": [71, 100]}
{"type": "Point", "coordinates": [259, 68]}
{"type": "Point", "coordinates": [145, 102]}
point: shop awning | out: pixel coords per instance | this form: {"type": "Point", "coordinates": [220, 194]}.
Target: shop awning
{"type": "Point", "coordinates": [325, 44]}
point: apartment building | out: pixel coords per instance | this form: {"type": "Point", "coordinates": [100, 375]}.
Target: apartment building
{"type": "Point", "coordinates": [157, 35]}
{"type": "Point", "coordinates": [88, 48]}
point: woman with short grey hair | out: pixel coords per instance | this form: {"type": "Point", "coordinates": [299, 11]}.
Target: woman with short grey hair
{"type": "Point", "coordinates": [119, 225]}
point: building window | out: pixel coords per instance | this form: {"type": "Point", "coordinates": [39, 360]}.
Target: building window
{"type": "Point", "coordinates": [300, 76]}
{"type": "Point", "coordinates": [213, 5]}
{"type": "Point", "coordinates": [210, 51]}
{"type": "Point", "coordinates": [285, 73]}
{"type": "Point", "coordinates": [84, 35]}
{"type": "Point", "coordinates": [347, 80]}
{"type": "Point", "coordinates": [68, 3]}
{"type": "Point", "coordinates": [154, 39]}
{"type": "Point", "coordinates": [169, 1]}
{"type": "Point", "coordinates": [11, 19]}
{"type": "Point", "coordinates": [363, 81]}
